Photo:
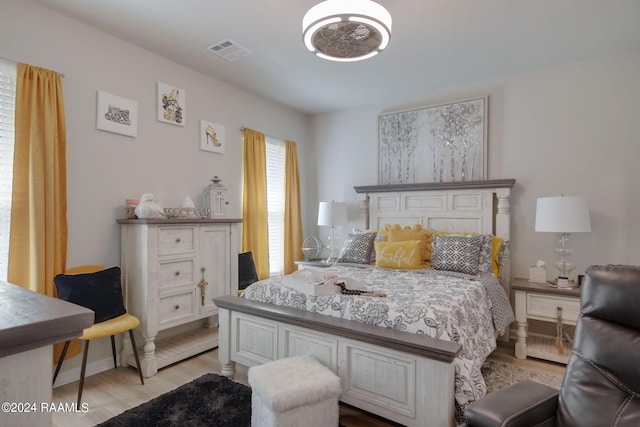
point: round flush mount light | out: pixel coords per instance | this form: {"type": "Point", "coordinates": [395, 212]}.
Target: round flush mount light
{"type": "Point", "coordinates": [346, 30]}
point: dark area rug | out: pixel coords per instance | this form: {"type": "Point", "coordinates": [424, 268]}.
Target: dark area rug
{"type": "Point", "coordinates": [211, 400]}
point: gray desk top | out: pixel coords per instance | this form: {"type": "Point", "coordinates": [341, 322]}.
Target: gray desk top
{"type": "Point", "coordinates": [30, 320]}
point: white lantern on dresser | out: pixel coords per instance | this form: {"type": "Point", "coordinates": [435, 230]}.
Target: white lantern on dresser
{"type": "Point", "coordinates": [215, 198]}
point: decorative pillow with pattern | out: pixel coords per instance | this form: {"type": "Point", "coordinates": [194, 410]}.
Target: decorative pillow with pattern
{"type": "Point", "coordinates": [490, 250]}
{"type": "Point", "coordinates": [397, 233]}
{"type": "Point", "coordinates": [381, 236]}
{"type": "Point", "coordinates": [457, 253]}
{"type": "Point", "coordinates": [399, 255]}
{"type": "Point", "coordinates": [357, 248]}
{"type": "Point", "coordinates": [484, 259]}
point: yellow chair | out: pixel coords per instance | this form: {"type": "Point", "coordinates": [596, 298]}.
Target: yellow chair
{"type": "Point", "coordinates": [100, 290]}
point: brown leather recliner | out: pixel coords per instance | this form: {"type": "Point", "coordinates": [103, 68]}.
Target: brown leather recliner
{"type": "Point", "coordinates": [601, 386]}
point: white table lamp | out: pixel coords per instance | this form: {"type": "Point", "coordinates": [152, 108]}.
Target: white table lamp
{"type": "Point", "coordinates": [332, 214]}
{"type": "Point", "coordinates": [563, 215]}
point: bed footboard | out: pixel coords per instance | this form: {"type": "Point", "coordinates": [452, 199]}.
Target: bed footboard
{"type": "Point", "coordinates": [401, 376]}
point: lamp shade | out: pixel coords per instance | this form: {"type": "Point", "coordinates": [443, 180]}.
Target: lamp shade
{"type": "Point", "coordinates": [332, 213]}
{"type": "Point", "coordinates": [563, 214]}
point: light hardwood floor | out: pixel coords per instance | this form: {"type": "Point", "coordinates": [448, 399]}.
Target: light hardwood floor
{"type": "Point", "coordinates": [114, 391]}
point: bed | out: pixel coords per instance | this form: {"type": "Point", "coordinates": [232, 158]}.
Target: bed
{"type": "Point", "coordinates": [411, 351]}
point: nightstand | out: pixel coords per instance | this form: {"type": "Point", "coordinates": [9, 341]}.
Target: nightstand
{"type": "Point", "coordinates": [320, 263]}
{"type": "Point", "coordinates": [541, 301]}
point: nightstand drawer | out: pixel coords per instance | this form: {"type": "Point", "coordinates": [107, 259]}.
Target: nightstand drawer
{"type": "Point", "coordinates": [176, 240]}
{"type": "Point", "coordinates": [545, 307]}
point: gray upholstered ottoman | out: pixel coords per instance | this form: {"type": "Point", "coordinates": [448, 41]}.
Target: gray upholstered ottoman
{"type": "Point", "coordinates": [293, 392]}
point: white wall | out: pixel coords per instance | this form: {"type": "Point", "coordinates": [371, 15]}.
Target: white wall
{"type": "Point", "coordinates": [573, 129]}
{"type": "Point", "coordinates": [105, 168]}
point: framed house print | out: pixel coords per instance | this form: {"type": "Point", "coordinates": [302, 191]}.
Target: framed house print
{"type": "Point", "coordinates": [170, 104]}
{"type": "Point", "coordinates": [444, 143]}
{"type": "Point", "coordinates": [212, 137]}
{"type": "Point", "coordinates": [116, 115]}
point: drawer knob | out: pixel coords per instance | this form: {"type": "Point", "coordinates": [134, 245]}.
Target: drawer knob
{"type": "Point", "coordinates": [178, 239]}
{"type": "Point", "coordinates": [177, 273]}
{"type": "Point", "coordinates": [177, 306]}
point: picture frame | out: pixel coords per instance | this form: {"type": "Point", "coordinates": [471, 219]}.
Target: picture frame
{"type": "Point", "coordinates": [170, 104]}
{"type": "Point", "coordinates": [212, 137]}
{"type": "Point", "coordinates": [441, 143]}
{"type": "Point", "coordinates": [116, 115]}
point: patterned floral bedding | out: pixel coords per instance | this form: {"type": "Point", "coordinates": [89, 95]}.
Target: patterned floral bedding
{"type": "Point", "coordinates": [449, 306]}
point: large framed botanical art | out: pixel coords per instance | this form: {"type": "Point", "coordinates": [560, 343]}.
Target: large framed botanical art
{"type": "Point", "coordinates": [443, 143]}
{"type": "Point", "coordinates": [115, 114]}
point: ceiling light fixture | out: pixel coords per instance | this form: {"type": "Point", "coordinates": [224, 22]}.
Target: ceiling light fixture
{"type": "Point", "coordinates": [346, 30]}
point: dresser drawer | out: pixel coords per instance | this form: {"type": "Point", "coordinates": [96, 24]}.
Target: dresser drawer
{"type": "Point", "coordinates": [545, 307]}
{"type": "Point", "coordinates": [176, 240]}
{"type": "Point", "coordinates": [176, 308]}
{"type": "Point", "coordinates": [176, 273]}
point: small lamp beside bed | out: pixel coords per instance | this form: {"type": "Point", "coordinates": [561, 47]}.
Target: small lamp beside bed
{"type": "Point", "coordinates": [563, 215]}
{"type": "Point", "coordinates": [332, 214]}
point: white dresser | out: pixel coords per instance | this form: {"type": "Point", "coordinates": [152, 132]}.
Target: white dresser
{"type": "Point", "coordinates": [171, 271]}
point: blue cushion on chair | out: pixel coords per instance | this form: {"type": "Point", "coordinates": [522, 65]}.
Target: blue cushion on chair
{"type": "Point", "coordinates": [100, 291]}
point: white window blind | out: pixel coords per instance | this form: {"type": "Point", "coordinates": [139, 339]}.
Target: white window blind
{"type": "Point", "coordinates": [275, 203]}
{"type": "Point", "coordinates": [7, 135]}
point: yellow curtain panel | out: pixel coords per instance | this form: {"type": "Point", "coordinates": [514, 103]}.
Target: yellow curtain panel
{"type": "Point", "coordinates": [255, 232]}
{"type": "Point", "coordinates": [292, 212]}
{"type": "Point", "coordinates": [38, 238]}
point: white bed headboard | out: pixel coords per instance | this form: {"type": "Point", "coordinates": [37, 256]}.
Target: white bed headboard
{"type": "Point", "coordinates": [479, 206]}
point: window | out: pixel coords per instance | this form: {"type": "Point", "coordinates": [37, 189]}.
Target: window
{"type": "Point", "coordinates": [7, 135]}
{"type": "Point", "coordinates": [275, 203]}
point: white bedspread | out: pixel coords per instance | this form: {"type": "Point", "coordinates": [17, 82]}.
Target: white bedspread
{"type": "Point", "coordinates": [448, 306]}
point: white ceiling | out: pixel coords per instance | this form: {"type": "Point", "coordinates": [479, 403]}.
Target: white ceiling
{"type": "Point", "coordinates": [434, 43]}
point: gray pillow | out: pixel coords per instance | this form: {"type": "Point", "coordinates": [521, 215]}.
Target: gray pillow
{"type": "Point", "coordinates": [457, 253]}
{"type": "Point", "coordinates": [357, 248]}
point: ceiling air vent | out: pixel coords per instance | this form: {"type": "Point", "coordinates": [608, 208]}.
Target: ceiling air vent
{"type": "Point", "coordinates": [229, 50]}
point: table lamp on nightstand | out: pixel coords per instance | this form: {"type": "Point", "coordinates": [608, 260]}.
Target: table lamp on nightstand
{"type": "Point", "coordinates": [332, 214]}
{"type": "Point", "coordinates": [563, 215]}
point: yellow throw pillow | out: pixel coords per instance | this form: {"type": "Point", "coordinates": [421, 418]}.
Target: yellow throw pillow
{"type": "Point", "coordinates": [384, 232]}
{"type": "Point", "coordinates": [496, 247]}
{"type": "Point", "coordinates": [396, 233]}
{"type": "Point", "coordinates": [401, 255]}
